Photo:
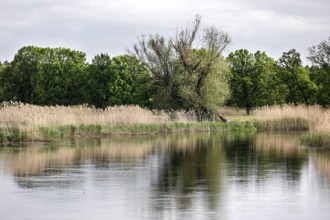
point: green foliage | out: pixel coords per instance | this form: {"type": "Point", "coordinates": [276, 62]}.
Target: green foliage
{"type": "Point", "coordinates": [60, 132]}
{"type": "Point", "coordinates": [3, 83]}
{"type": "Point", "coordinates": [129, 82]}
{"type": "Point", "coordinates": [56, 133]}
{"type": "Point", "coordinates": [99, 73]}
{"type": "Point", "coordinates": [88, 130]}
{"type": "Point", "coordinates": [13, 135]}
{"type": "Point", "coordinates": [45, 76]}
{"type": "Point", "coordinates": [186, 77]}
{"type": "Point", "coordinates": [60, 76]}
{"type": "Point", "coordinates": [296, 78]}
{"type": "Point", "coordinates": [202, 89]}
{"type": "Point", "coordinates": [119, 81]}
{"type": "Point", "coordinates": [320, 71]}
{"type": "Point", "coordinates": [168, 74]}
{"type": "Point", "coordinates": [51, 133]}
{"type": "Point", "coordinates": [253, 81]}
{"type": "Point", "coordinates": [177, 127]}
{"type": "Point", "coordinates": [319, 140]}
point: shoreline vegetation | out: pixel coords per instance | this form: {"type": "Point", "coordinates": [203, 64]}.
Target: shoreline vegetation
{"type": "Point", "coordinates": [31, 123]}
{"type": "Point", "coordinates": [186, 71]}
{"type": "Point", "coordinates": [314, 119]}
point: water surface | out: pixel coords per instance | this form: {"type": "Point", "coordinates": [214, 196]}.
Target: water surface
{"type": "Point", "coordinates": [190, 176]}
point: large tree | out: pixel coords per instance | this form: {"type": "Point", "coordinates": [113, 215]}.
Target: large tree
{"type": "Point", "coordinates": [121, 80]}
{"type": "Point", "coordinates": [188, 70]}
{"type": "Point", "coordinates": [99, 73]}
{"type": "Point", "coordinates": [45, 76]}
{"type": "Point", "coordinates": [320, 71]}
{"type": "Point", "coordinates": [301, 90]}
{"type": "Point", "coordinates": [253, 81]}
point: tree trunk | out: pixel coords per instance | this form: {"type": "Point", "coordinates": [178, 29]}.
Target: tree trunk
{"type": "Point", "coordinates": [223, 119]}
{"type": "Point", "coordinates": [247, 109]}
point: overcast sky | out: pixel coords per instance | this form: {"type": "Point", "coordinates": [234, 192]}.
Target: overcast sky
{"type": "Point", "coordinates": [111, 26]}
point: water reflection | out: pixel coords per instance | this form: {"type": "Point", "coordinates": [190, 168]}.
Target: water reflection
{"type": "Point", "coordinates": [259, 156]}
{"type": "Point", "coordinates": [285, 145]}
{"type": "Point", "coordinates": [190, 166]}
{"type": "Point", "coordinates": [198, 176]}
{"type": "Point", "coordinates": [186, 162]}
{"type": "Point", "coordinates": [41, 159]}
{"type": "Point", "coordinates": [322, 162]}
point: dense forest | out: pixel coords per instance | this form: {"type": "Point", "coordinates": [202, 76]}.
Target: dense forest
{"type": "Point", "coordinates": [174, 73]}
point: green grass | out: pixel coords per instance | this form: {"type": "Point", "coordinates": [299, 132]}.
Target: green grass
{"type": "Point", "coordinates": [318, 140]}
{"type": "Point", "coordinates": [13, 135]}
{"type": "Point", "coordinates": [60, 132]}
{"type": "Point", "coordinates": [241, 118]}
{"type": "Point", "coordinates": [177, 127]}
{"type": "Point", "coordinates": [57, 133]}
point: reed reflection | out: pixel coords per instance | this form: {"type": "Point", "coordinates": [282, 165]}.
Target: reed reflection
{"type": "Point", "coordinates": [257, 157]}
{"type": "Point", "coordinates": [44, 159]}
{"type": "Point", "coordinates": [281, 145]}
{"type": "Point", "coordinates": [322, 162]}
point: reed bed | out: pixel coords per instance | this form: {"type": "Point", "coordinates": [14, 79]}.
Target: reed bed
{"type": "Point", "coordinates": [25, 122]}
{"type": "Point", "coordinates": [30, 116]}
{"type": "Point", "coordinates": [314, 119]}
{"type": "Point", "coordinates": [232, 111]}
{"type": "Point", "coordinates": [290, 117]}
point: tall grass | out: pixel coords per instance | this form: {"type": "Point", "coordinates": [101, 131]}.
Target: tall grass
{"type": "Point", "coordinates": [314, 119]}
{"type": "Point", "coordinates": [30, 116]}
{"type": "Point", "coordinates": [21, 122]}
{"type": "Point", "coordinates": [290, 117]}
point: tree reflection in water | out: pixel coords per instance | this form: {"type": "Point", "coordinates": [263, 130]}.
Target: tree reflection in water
{"type": "Point", "coordinates": [180, 173]}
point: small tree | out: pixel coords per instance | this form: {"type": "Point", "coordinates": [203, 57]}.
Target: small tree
{"type": "Point", "coordinates": [253, 82]}
{"type": "Point", "coordinates": [296, 78]}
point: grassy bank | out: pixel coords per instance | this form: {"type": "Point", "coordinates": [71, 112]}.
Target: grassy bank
{"type": "Point", "coordinates": [22, 122]}
{"type": "Point", "coordinates": [314, 119]}
{"type": "Point", "coordinates": [56, 133]}
{"type": "Point", "coordinates": [317, 139]}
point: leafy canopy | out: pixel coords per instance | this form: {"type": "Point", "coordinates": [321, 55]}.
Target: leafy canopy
{"type": "Point", "coordinates": [188, 70]}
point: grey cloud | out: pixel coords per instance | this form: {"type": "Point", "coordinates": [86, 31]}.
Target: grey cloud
{"type": "Point", "coordinates": [111, 26]}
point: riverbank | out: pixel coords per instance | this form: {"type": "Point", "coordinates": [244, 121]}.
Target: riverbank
{"type": "Point", "coordinates": [27, 123]}
{"type": "Point", "coordinates": [314, 119]}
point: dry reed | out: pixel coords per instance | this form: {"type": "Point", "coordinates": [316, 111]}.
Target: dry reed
{"type": "Point", "coordinates": [30, 116]}
{"type": "Point", "coordinates": [232, 111]}
{"type": "Point", "coordinates": [22, 122]}
{"type": "Point", "coordinates": [314, 118]}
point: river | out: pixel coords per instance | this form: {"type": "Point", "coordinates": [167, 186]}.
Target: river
{"type": "Point", "coordinates": [186, 176]}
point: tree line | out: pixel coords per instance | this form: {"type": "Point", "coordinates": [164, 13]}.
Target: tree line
{"type": "Point", "coordinates": [188, 71]}
{"type": "Point", "coordinates": [258, 80]}
{"type": "Point", "coordinates": [61, 76]}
